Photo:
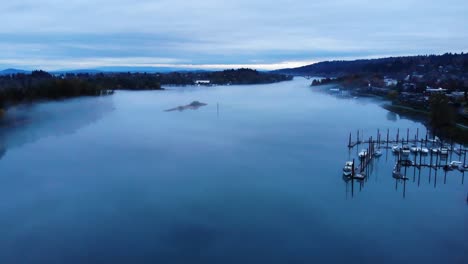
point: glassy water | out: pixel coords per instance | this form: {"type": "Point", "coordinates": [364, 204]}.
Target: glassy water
{"type": "Point", "coordinates": [253, 177]}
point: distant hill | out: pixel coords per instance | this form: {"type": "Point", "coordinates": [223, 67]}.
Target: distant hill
{"type": "Point", "coordinates": [388, 66]}
{"type": "Point", "coordinates": [119, 69]}
{"type": "Point", "coordinates": [90, 71]}
{"type": "Point", "coordinates": [145, 69]}
{"type": "Point", "coordinates": [111, 69]}
{"type": "Point", "coordinates": [13, 71]}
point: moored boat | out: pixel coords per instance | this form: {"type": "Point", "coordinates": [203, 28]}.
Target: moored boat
{"type": "Point", "coordinates": [405, 150]}
{"type": "Point", "coordinates": [363, 153]}
{"type": "Point", "coordinates": [360, 176]}
{"type": "Point", "coordinates": [456, 163]}
{"type": "Point", "coordinates": [395, 148]}
{"type": "Point", "coordinates": [348, 169]}
{"type": "Point", "coordinates": [444, 151]}
{"type": "Point", "coordinates": [424, 150]}
{"type": "Point", "coordinates": [378, 153]}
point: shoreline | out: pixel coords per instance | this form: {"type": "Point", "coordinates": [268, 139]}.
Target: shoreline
{"type": "Point", "coordinates": [458, 132]}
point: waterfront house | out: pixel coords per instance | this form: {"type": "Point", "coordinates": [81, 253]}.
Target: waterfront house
{"type": "Point", "coordinates": [390, 82]}
{"type": "Point", "coordinates": [430, 90]}
{"type": "Point", "coordinates": [202, 82]}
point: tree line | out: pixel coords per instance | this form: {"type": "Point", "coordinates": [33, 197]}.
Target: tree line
{"type": "Point", "coordinates": [40, 84]}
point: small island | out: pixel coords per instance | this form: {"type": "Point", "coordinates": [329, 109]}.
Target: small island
{"type": "Point", "coordinates": [192, 106]}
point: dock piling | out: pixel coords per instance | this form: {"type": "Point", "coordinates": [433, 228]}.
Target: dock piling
{"type": "Point", "coordinates": [388, 132]}
{"type": "Point", "coordinates": [349, 144]}
{"type": "Point", "coordinates": [407, 136]}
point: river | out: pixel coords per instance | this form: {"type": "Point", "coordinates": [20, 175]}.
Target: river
{"type": "Point", "coordinates": [255, 176]}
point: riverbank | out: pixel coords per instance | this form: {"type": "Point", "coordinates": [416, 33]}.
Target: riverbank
{"type": "Point", "coordinates": [458, 133]}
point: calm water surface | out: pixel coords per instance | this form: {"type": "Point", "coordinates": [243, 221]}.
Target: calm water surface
{"type": "Point", "coordinates": [118, 180]}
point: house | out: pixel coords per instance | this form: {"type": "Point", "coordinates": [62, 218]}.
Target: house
{"type": "Point", "coordinates": [456, 95]}
{"type": "Point", "coordinates": [390, 82]}
{"type": "Point", "coordinates": [202, 82]}
{"type": "Point", "coordinates": [435, 90]}
{"type": "Point", "coordinates": [409, 86]}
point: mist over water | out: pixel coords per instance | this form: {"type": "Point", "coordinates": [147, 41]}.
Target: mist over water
{"type": "Point", "coordinates": [255, 176]}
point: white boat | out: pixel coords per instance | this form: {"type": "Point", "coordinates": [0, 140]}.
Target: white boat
{"type": "Point", "coordinates": [443, 151]}
{"type": "Point", "coordinates": [424, 150]}
{"type": "Point", "coordinates": [378, 153]}
{"type": "Point", "coordinates": [435, 150]}
{"type": "Point", "coordinates": [363, 153]}
{"type": "Point", "coordinates": [395, 148]}
{"type": "Point", "coordinates": [456, 164]}
{"type": "Point", "coordinates": [414, 148]}
{"type": "Point", "coordinates": [348, 169]}
{"type": "Point", "coordinates": [360, 176]}
{"type": "Point", "coordinates": [405, 150]}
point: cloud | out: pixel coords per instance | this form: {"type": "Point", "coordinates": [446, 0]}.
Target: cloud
{"type": "Point", "coordinates": [209, 32]}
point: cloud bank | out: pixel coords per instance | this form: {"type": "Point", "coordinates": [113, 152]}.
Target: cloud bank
{"type": "Point", "coordinates": [53, 34]}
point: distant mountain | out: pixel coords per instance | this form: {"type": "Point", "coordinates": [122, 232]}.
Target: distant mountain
{"type": "Point", "coordinates": [13, 71]}
{"type": "Point", "coordinates": [387, 66]}
{"type": "Point", "coordinates": [90, 71]}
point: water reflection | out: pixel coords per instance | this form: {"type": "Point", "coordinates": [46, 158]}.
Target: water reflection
{"type": "Point", "coordinates": [29, 123]}
{"type": "Point", "coordinates": [262, 182]}
{"type": "Point", "coordinates": [392, 116]}
{"type": "Point", "coordinates": [2, 150]}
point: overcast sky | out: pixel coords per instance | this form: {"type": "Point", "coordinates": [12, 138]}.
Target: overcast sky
{"type": "Point", "coordinates": [57, 34]}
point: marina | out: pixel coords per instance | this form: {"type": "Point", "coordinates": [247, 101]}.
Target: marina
{"type": "Point", "coordinates": [409, 152]}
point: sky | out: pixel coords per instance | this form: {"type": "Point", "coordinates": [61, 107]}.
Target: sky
{"type": "Point", "coordinates": [214, 34]}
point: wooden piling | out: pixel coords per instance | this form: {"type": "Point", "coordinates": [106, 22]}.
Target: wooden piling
{"type": "Point", "coordinates": [378, 137]}
{"type": "Point", "coordinates": [388, 133]}
{"type": "Point", "coordinates": [464, 159]}
{"type": "Point", "coordinates": [404, 189]}
{"type": "Point", "coordinates": [352, 180]}
{"type": "Point", "coordinates": [430, 168]}
{"type": "Point", "coordinates": [407, 136]}
{"type": "Point", "coordinates": [420, 161]}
